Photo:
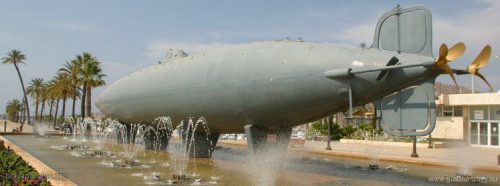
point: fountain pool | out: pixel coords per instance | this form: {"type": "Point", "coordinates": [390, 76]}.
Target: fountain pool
{"type": "Point", "coordinates": [229, 165]}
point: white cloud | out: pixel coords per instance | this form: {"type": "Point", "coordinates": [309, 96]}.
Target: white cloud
{"type": "Point", "coordinates": [158, 50]}
{"type": "Point", "coordinates": [117, 70]}
{"type": "Point", "coordinates": [357, 34]}
{"type": "Point", "coordinates": [476, 27]}
{"type": "Point", "coordinates": [72, 26]}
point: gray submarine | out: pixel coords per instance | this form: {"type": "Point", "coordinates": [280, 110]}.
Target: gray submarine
{"type": "Point", "coordinates": [265, 88]}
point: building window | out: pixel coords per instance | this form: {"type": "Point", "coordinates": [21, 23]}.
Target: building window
{"type": "Point", "coordinates": [457, 111]}
{"type": "Point", "coordinates": [479, 112]}
{"type": "Point", "coordinates": [495, 112]}
{"type": "Point", "coordinates": [474, 133]}
{"type": "Point", "coordinates": [439, 111]}
{"type": "Point", "coordinates": [447, 111]}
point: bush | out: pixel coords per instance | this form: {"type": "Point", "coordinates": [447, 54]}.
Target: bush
{"type": "Point", "coordinates": [317, 129]}
{"type": "Point", "coordinates": [15, 171]}
{"type": "Point", "coordinates": [336, 132]}
{"type": "Point", "coordinates": [349, 130]}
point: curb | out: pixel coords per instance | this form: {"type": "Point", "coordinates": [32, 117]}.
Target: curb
{"type": "Point", "coordinates": [415, 161]}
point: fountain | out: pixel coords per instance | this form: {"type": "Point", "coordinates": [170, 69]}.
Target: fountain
{"type": "Point", "coordinates": [42, 128]}
{"type": "Point", "coordinates": [96, 144]}
{"type": "Point", "coordinates": [184, 148]}
{"type": "Point", "coordinates": [122, 144]}
{"type": "Point", "coordinates": [372, 142]}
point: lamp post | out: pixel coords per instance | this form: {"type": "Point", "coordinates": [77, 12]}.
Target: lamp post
{"type": "Point", "coordinates": [414, 153]}
{"type": "Point", "coordinates": [329, 123]}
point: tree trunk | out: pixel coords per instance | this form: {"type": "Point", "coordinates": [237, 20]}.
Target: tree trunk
{"type": "Point", "coordinates": [55, 115]}
{"type": "Point", "coordinates": [24, 92]}
{"type": "Point", "coordinates": [74, 101]}
{"type": "Point", "coordinates": [41, 110]}
{"type": "Point", "coordinates": [36, 109]}
{"type": "Point", "coordinates": [83, 100]}
{"type": "Point", "coordinates": [88, 100]}
{"type": "Point", "coordinates": [51, 109]}
{"type": "Point", "coordinates": [23, 114]}
{"type": "Point", "coordinates": [64, 106]}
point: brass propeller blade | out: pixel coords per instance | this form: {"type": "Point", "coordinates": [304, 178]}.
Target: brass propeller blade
{"type": "Point", "coordinates": [447, 68]}
{"type": "Point", "coordinates": [484, 79]}
{"type": "Point", "coordinates": [481, 60]}
{"type": "Point", "coordinates": [446, 56]}
{"type": "Point", "coordinates": [456, 51]}
{"type": "Point", "coordinates": [443, 51]}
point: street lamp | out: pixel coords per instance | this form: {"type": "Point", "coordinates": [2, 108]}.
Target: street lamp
{"type": "Point", "coordinates": [414, 153]}
{"type": "Point", "coordinates": [329, 121]}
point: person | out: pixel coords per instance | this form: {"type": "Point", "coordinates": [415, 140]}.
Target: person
{"type": "Point", "coordinates": [21, 128]}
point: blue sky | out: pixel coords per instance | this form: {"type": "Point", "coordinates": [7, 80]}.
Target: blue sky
{"type": "Point", "coordinates": [127, 36]}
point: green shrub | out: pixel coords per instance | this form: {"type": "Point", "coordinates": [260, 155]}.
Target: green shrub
{"type": "Point", "coordinates": [317, 129]}
{"type": "Point", "coordinates": [349, 130]}
{"type": "Point", "coordinates": [336, 132]}
{"type": "Point", "coordinates": [15, 171]}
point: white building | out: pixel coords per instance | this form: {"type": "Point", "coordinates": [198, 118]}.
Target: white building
{"type": "Point", "coordinates": [473, 118]}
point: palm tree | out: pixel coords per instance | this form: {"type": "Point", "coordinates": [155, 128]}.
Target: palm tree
{"type": "Point", "coordinates": [72, 71]}
{"type": "Point", "coordinates": [81, 60]}
{"type": "Point", "coordinates": [92, 77]}
{"type": "Point", "coordinates": [13, 108]}
{"type": "Point", "coordinates": [35, 91]}
{"type": "Point", "coordinates": [16, 57]}
{"type": "Point", "coordinates": [58, 90]}
{"type": "Point", "coordinates": [61, 86]}
{"type": "Point", "coordinates": [52, 94]}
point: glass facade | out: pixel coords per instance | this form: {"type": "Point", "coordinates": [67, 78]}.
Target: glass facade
{"type": "Point", "coordinates": [495, 112]}
{"type": "Point", "coordinates": [483, 133]}
{"type": "Point", "coordinates": [439, 111]}
{"type": "Point", "coordinates": [449, 111]}
{"type": "Point", "coordinates": [473, 133]}
{"type": "Point", "coordinates": [484, 125]}
{"type": "Point", "coordinates": [494, 133]}
{"type": "Point", "coordinates": [458, 111]}
{"type": "Point", "coordinates": [479, 112]}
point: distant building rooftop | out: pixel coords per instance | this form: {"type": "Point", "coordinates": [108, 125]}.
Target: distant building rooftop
{"type": "Point", "coordinates": [469, 99]}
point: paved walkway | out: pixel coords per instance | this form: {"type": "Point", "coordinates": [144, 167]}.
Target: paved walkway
{"type": "Point", "coordinates": [52, 176]}
{"type": "Point", "coordinates": [8, 126]}
{"type": "Point", "coordinates": [481, 158]}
